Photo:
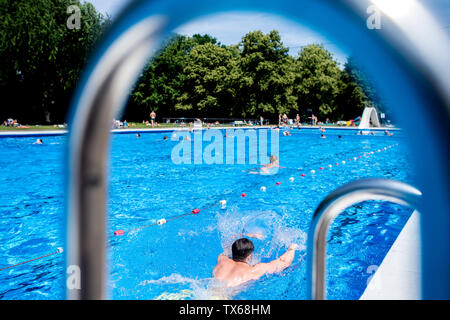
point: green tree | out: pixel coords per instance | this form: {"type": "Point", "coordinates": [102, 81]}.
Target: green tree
{"type": "Point", "coordinates": [40, 58]}
{"type": "Point", "coordinates": [207, 89]}
{"type": "Point", "coordinates": [162, 81]}
{"type": "Point", "coordinates": [356, 92]}
{"type": "Point", "coordinates": [265, 85]}
{"type": "Point", "coordinates": [317, 80]}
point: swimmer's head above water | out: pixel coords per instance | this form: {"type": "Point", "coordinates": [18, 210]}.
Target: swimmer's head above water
{"type": "Point", "coordinates": [242, 249]}
{"type": "Point", "coordinates": [236, 271]}
{"type": "Point", "coordinates": [273, 159]}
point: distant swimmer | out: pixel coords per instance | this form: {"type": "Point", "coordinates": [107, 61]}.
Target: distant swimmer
{"type": "Point", "coordinates": [237, 270]}
{"type": "Point", "coordinates": [268, 168]}
{"type": "Point", "coordinates": [286, 133]}
{"type": "Point", "coordinates": [386, 132]}
{"type": "Point", "coordinates": [138, 135]}
{"type": "Point", "coordinates": [322, 136]}
{"type": "Point", "coordinates": [38, 141]}
{"type": "Point", "coordinates": [165, 137]}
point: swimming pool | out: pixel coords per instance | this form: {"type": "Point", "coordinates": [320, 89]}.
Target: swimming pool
{"type": "Point", "coordinates": [175, 260]}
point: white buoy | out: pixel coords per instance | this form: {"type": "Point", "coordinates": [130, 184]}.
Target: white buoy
{"type": "Point", "coordinates": [330, 166]}
{"type": "Point", "coordinates": [343, 162]}
{"type": "Point", "coordinates": [160, 222]}
{"type": "Point", "coordinates": [263, 189]}
{"type": "Point", "coordinates": [223, 204]}
{"type": "Point", "coordinates": [313, 171]}
{"type": "Point", "coordinates": [291, 179]}
{"type": "Point", "coordinates": [60, 250]}
{"type": "Point", "coordinates": [355, 158]}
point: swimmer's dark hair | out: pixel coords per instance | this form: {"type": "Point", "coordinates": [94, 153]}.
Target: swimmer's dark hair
{"type": "Point", "coordinates": [241, 249]}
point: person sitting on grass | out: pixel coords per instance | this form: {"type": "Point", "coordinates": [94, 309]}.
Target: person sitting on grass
{"type": "Point", "coordinates": [236, 271]}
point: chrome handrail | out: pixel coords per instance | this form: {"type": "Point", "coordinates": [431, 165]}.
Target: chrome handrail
{"type": "Point", "coordinates": [332, 206]}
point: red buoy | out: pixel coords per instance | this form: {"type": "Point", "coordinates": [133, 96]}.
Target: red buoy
{"type": "Point", "coordinates": [321, 168]}
{"type": "Point", "coordinates": [119, 232]}
{"type": "Point", "coordinates": [195, 211]}
{"type": "Point", "coordinates": [302, 174]}
{"type": "Point", "coordinates": [243, 195]}
{"type": "Point", "coordinates": [278, 183]}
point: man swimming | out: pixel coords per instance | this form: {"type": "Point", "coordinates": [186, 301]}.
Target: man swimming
{"type": "Point", "coordinates": [236, 271]}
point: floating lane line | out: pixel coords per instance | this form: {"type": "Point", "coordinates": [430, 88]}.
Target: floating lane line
{"type": "Point", "coordinates": [223, 203]}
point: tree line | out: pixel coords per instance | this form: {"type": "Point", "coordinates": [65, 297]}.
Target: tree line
{"type": "Point", "coordinates": [41, 61]}
{"type": "Point", "coordinates": [199, 77]}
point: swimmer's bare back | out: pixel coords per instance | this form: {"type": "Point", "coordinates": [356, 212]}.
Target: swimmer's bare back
{"type": "Point", "coordinates": [233, 273]}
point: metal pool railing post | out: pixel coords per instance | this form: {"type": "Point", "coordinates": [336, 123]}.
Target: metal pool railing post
{"type": "Point", "coordinates": [105, 91]}
{"type": "Point", "coordinates": [332, 206]}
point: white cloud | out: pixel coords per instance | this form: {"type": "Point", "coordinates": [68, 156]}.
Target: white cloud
{"type": "Point", "coordinates": [229, 28]}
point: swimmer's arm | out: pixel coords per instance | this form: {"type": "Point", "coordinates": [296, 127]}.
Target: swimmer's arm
{"type": "Point", "coordinates": [277, 265]}
{"type": "Point", "coordinates": [257, 235]}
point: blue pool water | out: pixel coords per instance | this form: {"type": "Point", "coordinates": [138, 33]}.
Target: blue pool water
{"type": "Point", "coordinates": [175, 260]}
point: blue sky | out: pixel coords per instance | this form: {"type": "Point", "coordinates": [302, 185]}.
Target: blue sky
{"type": "Point", "coordinates": [229, 28]}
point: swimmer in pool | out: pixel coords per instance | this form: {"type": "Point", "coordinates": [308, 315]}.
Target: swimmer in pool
{"type": "Point", "coordinates": [38, 141]}
{"type": "Point", "coordinates": [322, 136]}
{"type": "Point", "coordinates": [266, 169]}
{"type": "Point", "coordinates": [236, 271]}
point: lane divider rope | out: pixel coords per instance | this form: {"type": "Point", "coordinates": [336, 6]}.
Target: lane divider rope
{"type": "Point", "coordinates": [163, 221]}
{"type": "Point", "coordinates": [59, 250]}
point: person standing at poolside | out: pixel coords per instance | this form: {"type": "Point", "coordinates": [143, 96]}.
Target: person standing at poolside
{"type": "Point", "coordinates": [237, 270]}
{"type": "Point", "coordinates": [297, 120]}
{"type": "Point", "coordinates": [153, 117]}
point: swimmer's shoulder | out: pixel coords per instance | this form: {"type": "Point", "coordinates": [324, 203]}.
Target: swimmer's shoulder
{"type": "Point", "coordinates": [223, 257]}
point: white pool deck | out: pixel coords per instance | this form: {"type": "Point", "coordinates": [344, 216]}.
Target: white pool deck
{"type": "Point", "coordinates": [399, 275]}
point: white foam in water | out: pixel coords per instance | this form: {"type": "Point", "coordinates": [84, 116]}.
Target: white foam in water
{"type": "Point", "coordinates": [172, 279]}
{"type": "Point", "coordinates": [201, 289]}
{"type": "Point", "coordinates": [234, 224]}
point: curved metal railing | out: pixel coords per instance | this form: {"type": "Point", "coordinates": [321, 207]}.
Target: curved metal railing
{"type": "Point", "coordinates": [332, 206]}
